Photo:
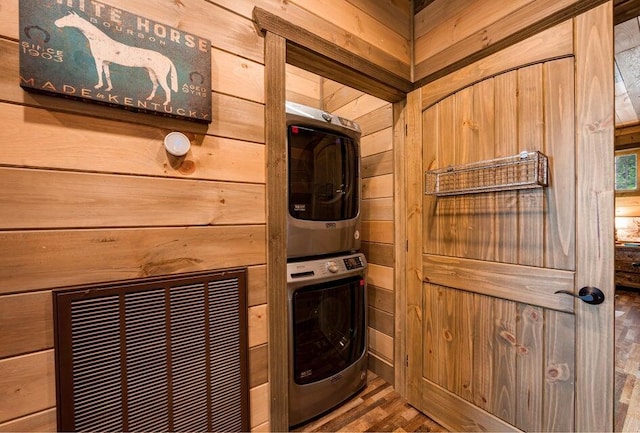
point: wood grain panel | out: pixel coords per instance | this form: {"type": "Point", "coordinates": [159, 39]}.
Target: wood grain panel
{"type": "Point", "coordinates": [503, 403]}
{"type": "Point", "coordinates": [381, 345]}
{"type": "Point", "coordinates": [258, 325]}
{"type": "Point", "coordinates": [223, 28]}
{"type": "Point", "coordinates": [377, 142]}
{"type": "Point", "coordinates": [395, 14]}
{"type": "Point", "coordinates": [514, 282]}
{"type": "Point", "coordinates": [380, 276]}
{"type": "Point", "coordinates": [559, 140]}
{"type": "Point", "coordinates": [237, 118]}
{"type": "Point", "coordinates": [26, 323]}
{"type": "Point", "coordinates": [336, 95]}
{"type": "Point", "coordinates": [483, 353]}
{"type": "Point", "coordinates": [594, 214]}
{"type": "Point", "coordinates": [430, 16]}
{"type": "Point", "coordinates": [275, 130]}
{"type": "Point", "coordinates": [553, 43]}
{"type": "Point", "coordinates": [460, 23]}
{"type": "Point", "coordinates": [531, 132]}
{"type": "Point", "coordinates": [520, 25]}
{"type": "Point", "coordinates": [465, 150]}
{"type": "Point", "coordinates": [27, 384]}
{"type": "Point", "coordinates": [380, 298]}
{"type": "Point", "coordinates": [483, 218]}
{"type": "Point", "coordinates": [376, 120]}
{"type": "Point", "coordinates": [413, 308]}
{"type": "Point", "coordinates": [37, 422]}
{"type": "Point", "coordinates": [446, 207]}
{"type": "Point", "coordinates": [377, 187]}
{"type": "Point", "coordinates": [506, 133]}
{"type": "Point", "coordinates": [54, 199]}
{"type": "Point", "coordinates": [379, 209]}
{"type": "Point", "coordinates": [559, 372]}
{"type": "Point", "coordinates": [377, 165]}
{"type": "Point", "coordinates": [529, 364]}
{"type": "Point", "coordinates": [62, 143]}
{"type": "Point", "coordinates": [457, 414]}
{"type": "Point", "coordinates": [360, 106]}
{"type": "Point", "coordinates": [381, 321]}
{"type": "Point", "coordinates": [431, 209]}
{"type": "Point", "coordinates": [380, 254]}
{"type": "Point", "coordinates": [237, 76]}
{"type": "Point", "coordinates": [382, 368]}
{"type": "Point", "coordinates": [351, 19]}
{"type": "Point", "coordinates": [259, 405]}
{"type": "Point", "coordinates": [258, 365]}
{"type": "Point", "coordinates": [257, 285]}
{"type": "Point", "coordinates": [304, 83]}
{"type": "Point", "coordinates": [42, 259]}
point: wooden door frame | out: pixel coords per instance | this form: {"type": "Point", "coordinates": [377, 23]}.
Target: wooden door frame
{"type": "Point", "coordinates": [287, 43]}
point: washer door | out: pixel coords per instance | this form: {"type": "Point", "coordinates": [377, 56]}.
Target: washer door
{"type": "Point", "coordinates": [328, 328]}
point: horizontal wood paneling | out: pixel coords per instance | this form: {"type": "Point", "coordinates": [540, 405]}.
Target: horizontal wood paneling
{"type": "Point", "coordinates": [377, 231]}
{"type": "Point", "coordinates": [323, 23]}
{"type": "Point", "coordinates": [381, 321]}
{"type": "Point", "coordinates": [377, 142]}
{"type": "Point", "coordinates": [377, 165]}
{"type": "Point", "coordinates": [382, 368]}
{"type": "Point", "coordinates": [26, 323]}
{"type": "Point", "coordinates": [377, 120]}
{"type": "Point", "coordinates": [257, 285]}
{"type": "Point", "coordinates": [515, 282]}
{"type": "Point", "coordinates": [46, 259]}
{"type": "Point", "coordinates": [62, 143]}
{"type": "Point", "coordinates": [258, 325]}
{"type": "Point", "coordinates": [237, 76]}
{"type": "Point", "coordinates": [258, 372]}
{"type": "Point", "coordinates": [381, 345]}
{"type": "Point", "coordinates": [458, 46]}
{"type": "Point", "coordinates": [543, 46]}
{"type": "Point", "coordinates": [37, 422]}
{"type": "Point", "coordinates": [378, 209]}
{"type": "Point", "coordinates": [380, 254]}
{"type": "Point", "coordinates": [380, 276]}
{"type": "Point", "coordinates": [380, 298]}
{"type": "Point", "coordinates": [259, 405]}
{"type": "Point", "coordinates": [54, 199]}
{"type": "Point", "coordinates": [377, 187]}
{"type": "Point", "coordinates": [27, 385]}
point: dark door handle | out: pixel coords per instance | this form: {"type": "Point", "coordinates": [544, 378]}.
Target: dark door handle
{"type": "Point", "coordinates": [590, 295]}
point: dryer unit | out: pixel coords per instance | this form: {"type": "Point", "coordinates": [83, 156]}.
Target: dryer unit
{"type": "Point", "coordinates": [323, 183]}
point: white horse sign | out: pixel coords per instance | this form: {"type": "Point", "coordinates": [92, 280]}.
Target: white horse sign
{"type": "Point", "coordinates": [92, 51]}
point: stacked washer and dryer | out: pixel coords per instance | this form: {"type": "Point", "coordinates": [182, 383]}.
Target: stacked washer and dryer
{"type": "Point", "coordinates": [326, 275]}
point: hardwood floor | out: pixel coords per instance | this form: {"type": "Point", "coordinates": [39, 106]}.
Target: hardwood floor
{"type": "Point", "coordinates": [627, 374]}
{"type": "Point", "coordinates": [378, 408]}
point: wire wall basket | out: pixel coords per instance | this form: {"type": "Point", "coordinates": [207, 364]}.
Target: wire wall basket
{"type": "Point", "coordinates": [522, 171]}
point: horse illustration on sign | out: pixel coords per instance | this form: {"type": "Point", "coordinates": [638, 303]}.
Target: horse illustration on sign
{"type": "Point", "coordinates": [106, 50]}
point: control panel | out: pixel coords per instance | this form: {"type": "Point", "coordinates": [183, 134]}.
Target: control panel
{"type": "Point", "coordinates": [325, 267]}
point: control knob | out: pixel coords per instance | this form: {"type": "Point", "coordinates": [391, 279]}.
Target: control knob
{"type": "Point", "coordinates": [332, 267]}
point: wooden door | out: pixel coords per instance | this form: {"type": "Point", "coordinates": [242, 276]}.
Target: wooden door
{"type": "Point", "coordinates": [491, 346]}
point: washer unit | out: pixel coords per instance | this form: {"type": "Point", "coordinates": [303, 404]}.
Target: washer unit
{"type": "Point", "coordinates": [327, 333]}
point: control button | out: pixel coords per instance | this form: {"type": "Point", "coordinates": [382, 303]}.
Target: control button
{"type": "Point", "coordinates": [332, 267]}
{"type": "Point", "coordinates": [326, 116]}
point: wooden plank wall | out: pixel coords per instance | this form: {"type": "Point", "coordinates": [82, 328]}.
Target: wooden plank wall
{"type": "Point", "coordinates": [448, 32]}
{"type": "Point", "coordinates": [375, 117]}
{"type": "Point", "coordinates": [90, 195]}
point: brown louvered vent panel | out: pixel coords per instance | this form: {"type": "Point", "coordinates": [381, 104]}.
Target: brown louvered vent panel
{"type": "Point", "coordinates": [158, 354]}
